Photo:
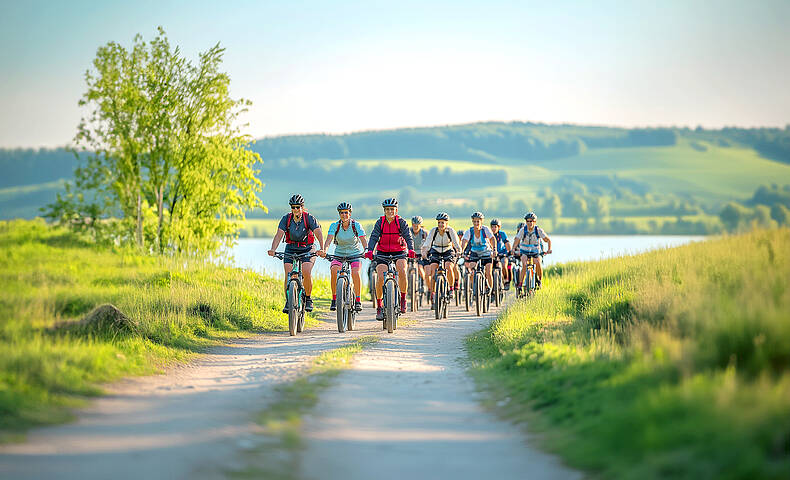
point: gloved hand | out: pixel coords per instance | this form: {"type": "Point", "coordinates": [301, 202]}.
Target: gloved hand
{"type": "Point", "coordinates": [411, 254]}
{"type": "Point", "coordinates": [369, 255]}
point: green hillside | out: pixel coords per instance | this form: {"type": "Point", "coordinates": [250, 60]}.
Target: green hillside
{"type": "Point", "coordinates": [503, 169]}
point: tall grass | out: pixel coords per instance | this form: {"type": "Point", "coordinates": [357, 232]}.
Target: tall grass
{"type": "Point", "coordinates": [50, 276]}
{"type": "Point", "coordinates": [673, 363]}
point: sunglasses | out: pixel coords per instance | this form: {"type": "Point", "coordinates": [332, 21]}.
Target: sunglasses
{"type": "Point", "coordinates": [296, 207]}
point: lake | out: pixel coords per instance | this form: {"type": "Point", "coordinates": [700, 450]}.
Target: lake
{"type": "Point", "coordinates": [251, 252]}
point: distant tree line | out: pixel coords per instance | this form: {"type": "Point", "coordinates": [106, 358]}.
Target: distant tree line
{"type": "Point", "coordinates": [32, 166]}
{"type": "Point", "coordinates": [769, 207]}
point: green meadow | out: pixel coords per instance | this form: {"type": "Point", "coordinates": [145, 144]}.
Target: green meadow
{"type": "Point", "coordinates": [672, 363]}
{"type": "Point", "coordinates": [177, 307]}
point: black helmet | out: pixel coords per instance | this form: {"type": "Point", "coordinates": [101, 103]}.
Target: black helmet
{"type": "Point", "coordinates": [519, 227]}
{"type": "Point", "coordinates": [390, 202]}
{"type": "Point", "coordinates": [442, 216]}
{"type": "Point", "coordinates": [416, 220]}
{"type": "Point", "coordinates": [530, 216]}
{"type": "Point", "coordinates": [296, 200]}
{"type": "Point", "coordinates": [478, 215]}
{"type": "Point", "coordinates": [344, 206]}
{"type": "Point", "coordinates": [495, 221]}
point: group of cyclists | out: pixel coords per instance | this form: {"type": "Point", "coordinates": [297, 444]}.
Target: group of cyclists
{"type": "Point", "coordinates": [391, 237]}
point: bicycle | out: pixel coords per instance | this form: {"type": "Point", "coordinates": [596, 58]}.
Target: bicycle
{"type": "Point", "coordinates": [464, 283]}
{"type": "Point", "coordinates": [498, 288]}
{"type": "Point", "coordinates": [515, 273]}
{"type": "Point", "coordinates": [441, 296]}
{"type": "Point", "coordinates": [391, 293]}
{"type": "Point", "coordinates": [346, 314]}
{"type": "Point", "coordinates": [415, 285]}
{"type": "Point", "coordinates": [294, 291]}
{"type": "Point", "coordinates": [528, 288]}
{"type": "Point", "coordinates": [372, 282]}
{"type": "Point", "coordinates": [482, 300]}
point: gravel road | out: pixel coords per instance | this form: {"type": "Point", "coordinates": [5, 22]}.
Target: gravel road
{"type": "Point", "coordinates": [406, 410]}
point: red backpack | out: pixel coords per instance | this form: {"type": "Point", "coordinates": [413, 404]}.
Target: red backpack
{"type": "Point", "coordinates": [310, 236]}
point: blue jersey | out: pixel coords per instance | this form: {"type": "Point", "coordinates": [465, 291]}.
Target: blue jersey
{"type": "Point", "coordinates": [501, 240]}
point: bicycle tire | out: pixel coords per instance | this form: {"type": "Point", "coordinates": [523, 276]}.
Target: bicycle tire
{"type": "Point", "coordinates": [438, 294]}
{"type": "Point", "coordinates": [467, 293]}
{"type": "Point", "coordinates": [293, 307]}
{"type": "Point", "coordinates": [300, 323]}
{"type": "Point", "coordinates": [341, 304]}
{"type": "Point", "coordinates": [477, 286]}
{"type": "Point", "coordinates": [372, 286]}
{"type": "Point", "coordinates": [497, 278]}
{"type": "Point", "coordinates": [413, 289]}
{"type": "Point", "coordinates": [389, 305]}
{"type": "Point", "coordinates": [446, 297]}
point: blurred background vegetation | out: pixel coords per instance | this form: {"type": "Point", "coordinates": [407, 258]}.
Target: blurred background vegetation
{"type": "Point", "coordinates": [578, 179]}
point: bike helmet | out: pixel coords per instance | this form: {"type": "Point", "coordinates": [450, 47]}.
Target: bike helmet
{"type": "Point", "coordinates": [478, 215]}
{"type": "Point", "coordinates": [296, 200]}
{"type": "Point", "coordinates": [496, 221]}
{"type": "Point", "coordinates": [519, 227]}
{"type": "Point", "coordinates": [416, 220]}
{"type": "Point", "coordinates": [530, 216]}
{"type": "Point", "coordinates": [344, 206]}
{"type": "Point", "coordinates": [390, 202]}
{"type": "Point", "coordinates": [442, 216]}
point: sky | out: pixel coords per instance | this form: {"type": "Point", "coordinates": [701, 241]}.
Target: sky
{"type": "Point", "coordinates": [343, 66]}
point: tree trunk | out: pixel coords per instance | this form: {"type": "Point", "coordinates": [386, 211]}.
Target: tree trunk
{"type": "Point", "coordinates": [160, 210]}
{"type": "Point", "coordinates": [139, 219]}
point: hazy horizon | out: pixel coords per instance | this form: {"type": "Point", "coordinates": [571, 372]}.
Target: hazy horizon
{"type": "Point", "coordinates": [314, 68]}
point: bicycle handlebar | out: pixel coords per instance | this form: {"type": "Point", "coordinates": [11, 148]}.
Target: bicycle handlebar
{"type": "Point", "coordinates": [291, 256]}
{"type": "Point", "coordinates": [343, 259]}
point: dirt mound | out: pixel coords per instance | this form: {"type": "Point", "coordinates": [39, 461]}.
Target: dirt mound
{"type": "Point", "coordinates": [105, 318]}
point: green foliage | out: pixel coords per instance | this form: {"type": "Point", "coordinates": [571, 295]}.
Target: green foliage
{"type": "Point", "coordinates": [52, 276]}
{"type": "Point", "coordinates": [674, 363]}
{"type": "Point", "coordinates": [162, 152]}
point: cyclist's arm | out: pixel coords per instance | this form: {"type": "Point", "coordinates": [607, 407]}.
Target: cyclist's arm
{"type": "Point", "coordinates": [516, 241]}
{"type": "Point", "coordinates": [425, 245]}
{"type": "Point", "coordinates": [320, 236]}
{"type": "Point", "coordinates": [548, 241]}
{"type": "Point", "coordinates": [277, 238]}
{"type": "Point", "coordinates": [405, 232]}
{"type": "Point", "coordinates": [364, 241]}
{"type": "Point", "coordinates": [374, 236]}
{"type": "Point", "coordinates": [454, 239]}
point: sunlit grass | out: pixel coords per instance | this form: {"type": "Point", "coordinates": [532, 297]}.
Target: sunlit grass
{"type": "Point", "coordinates": [672, 363]}
{"type": "Point", "coordinates": [49, 277]}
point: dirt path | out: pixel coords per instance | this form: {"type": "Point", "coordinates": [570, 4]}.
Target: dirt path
{"type": "Point", "coordinates": [408, 410]}
{"type": "Point", "coordinates": [197, 420]}
{"type": "Point", "coordinates": [185, 424]}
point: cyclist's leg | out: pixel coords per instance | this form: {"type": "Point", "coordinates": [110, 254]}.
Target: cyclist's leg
{"type": "Point", "coordinates": [357, 279]}
{"type": "Point", "coordinates": [381, 269]}
{"type": "Point", "coordinates": [538, 268]}
{"type": "Point", "coordinates": [403, 280]}
{"type": "Point", "coordinates": [489, 273]}
{"type": "Point", "coordinates": [307, 269]}
{"type": "Point", "coordinates": [448, 266]}
{"type": "Point", "coordinates": [334, 269]}
{"type": "Point", "coordinates": [505, 270]}
{"type": "Point", "coordinates": [524, 259]}
{"type": "Point", "coordinates": [429, 277]}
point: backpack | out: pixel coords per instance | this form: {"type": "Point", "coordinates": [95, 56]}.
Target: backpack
{"type": "Point", "coordinates": [310, 236]}
{"type": "Point", "coordinates": [339, 226]}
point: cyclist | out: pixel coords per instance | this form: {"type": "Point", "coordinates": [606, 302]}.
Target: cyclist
{"type": "Point", "coordinates": [419, 234]}
{"type": "Point", "coordinates": [300, 230]}
{"type": "Point", "coordinates": [528, 243]}
{"type": "Point", "coordinates": [483, 245]}
{"type": "Point", "coordinates": [502, 248]}
{"type": "Point", "coordinates": [440, 249]}
{"type": "Point", "coordinates": [390, 237]}
{"type": "Point", "coordinates": [349, 239]}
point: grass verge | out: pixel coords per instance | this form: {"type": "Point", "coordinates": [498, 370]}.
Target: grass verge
{"type": "Point", "coordinates": [50, 276]}
{"type": "Point", "coordinates": [282, 419]}
{"type": "Point", "coordinates": [673, 363]}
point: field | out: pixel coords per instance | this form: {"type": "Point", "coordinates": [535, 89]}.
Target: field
{"type": "Point", "coordinates": [176, 308]}
{"type": "Point", "coordinates": [671, 364]}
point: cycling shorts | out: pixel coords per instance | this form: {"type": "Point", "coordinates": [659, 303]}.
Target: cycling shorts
{"type": "Point", "coordinates": [485, 259]}
{"type": "Point", "coordinates": [383, 258]}
{"type": "Point", "coordinates": [436, 257]}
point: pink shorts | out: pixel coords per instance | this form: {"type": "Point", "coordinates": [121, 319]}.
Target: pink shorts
{"type": "Point", "coordinates": [335, 263]}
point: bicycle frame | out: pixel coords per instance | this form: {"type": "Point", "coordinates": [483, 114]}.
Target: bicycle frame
{"type": "Point", "coordinates": [391, 305]}
{"type": "Point", "coordinates": [296, 314]}
{"type": "Point", "coordinates": [345, 311]}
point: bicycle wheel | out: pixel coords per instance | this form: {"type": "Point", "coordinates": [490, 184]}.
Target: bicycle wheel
{"type": "Point", "coordinates": [300, 323]}
{"type": "Point", "coordinates": [372, 286]}
{"type": "Point", "coordinates": [486, 301]}
{"type": "Point", "coordinates": [446, 298]}
{"type": "Point", "coordinates": [351, 324]}
{"type": "Point", "coordinates": [342, 304]}
{"type": "Point", "coordinates": [413, 289]}
{"type": "Point", "coordinates": [467, 293]}
{"type": "Point", "coordinates": [496, 287]}
{"type": "Point", "coordinates": [292, 294]}
{"type": "Point", "coordinates": [389, 305]}
{"type": "Point", "coordinates": [477, 286]}
{"type": "Point", "coordinates": [438, 294]}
